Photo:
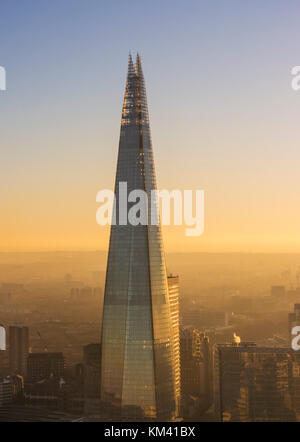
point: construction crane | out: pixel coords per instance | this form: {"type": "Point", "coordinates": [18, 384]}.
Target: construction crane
{"type": "Point", "coordinates": [43, 342]}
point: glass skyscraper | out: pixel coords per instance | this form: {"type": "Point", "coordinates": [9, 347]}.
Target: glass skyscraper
{"type": "Point", "coordinates": [138, 359]}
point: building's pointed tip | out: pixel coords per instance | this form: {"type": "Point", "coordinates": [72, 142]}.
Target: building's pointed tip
{"type": "Point", "coordinates": [138, 59]}
{"type": "Point", "coordinates": [130, 64]}
{"type": "Point", "coordinates": [138, 64]}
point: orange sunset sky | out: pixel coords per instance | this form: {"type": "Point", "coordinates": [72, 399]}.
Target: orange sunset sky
{"type": "Point", "coordinates": [223, 115]}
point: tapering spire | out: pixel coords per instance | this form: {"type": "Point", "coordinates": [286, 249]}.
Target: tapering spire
{"type": "Point", "coordinates": [143, 107]}
{"type": "Point", "coordinates": [137, 358]}
{"type": "Point", "coordinates": [138, 65]}
{"type": "Point", "coordinates": [130, 65]}
{"type": "Point", "coordinates": [129, 105]}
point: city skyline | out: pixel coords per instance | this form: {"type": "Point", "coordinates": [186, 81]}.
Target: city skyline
{"type": "Point", "coordinates": [224, 118]}
{"type": "Point", "coordinates": [149, 261]}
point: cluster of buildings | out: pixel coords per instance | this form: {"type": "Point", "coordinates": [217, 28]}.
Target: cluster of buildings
{"type": "Point", "coordinates": [43, 381]}
{"type": "Point", "coordinates": [256, 384]}
{"type": "Point", "coordinates": [237, 381]}
{"type": "Point", "coordinates": [34, 378]}
{"type": "Point", "coordinates": [80, 293]}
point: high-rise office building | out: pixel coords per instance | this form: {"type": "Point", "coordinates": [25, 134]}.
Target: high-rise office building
{"type": "Point", "coordinates": [278, 292]}
{"type": "Point", "coordinates": [137, 362]}
{"type": "Point", "coordinates": [195, 371]}
{"type": "Point", "coordinates": [173, 286]}
{"type": "Point", "coordinates": [18, 349]}
{"type": "Point", "coordinates": [6, 392]}
{"type": "Point", "coordinates": [45, 365]}
{"type": "Point", "coordinates": [91, 360]}
{"type": "Point", "coordinates": [256, 384]}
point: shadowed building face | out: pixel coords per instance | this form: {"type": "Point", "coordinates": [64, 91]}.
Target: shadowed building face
{"type": "Point", "coordinates": [137, 366]}
{"type": "Point", "coordinates": [18, 349]}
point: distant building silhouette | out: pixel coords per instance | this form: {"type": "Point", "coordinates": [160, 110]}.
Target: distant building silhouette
{"type": "Point", "coordinates": [18, 349]}
{"type": "Point", "coordinates": [91, 361]}
{"type": "Point", "coordinates": [278, 291]}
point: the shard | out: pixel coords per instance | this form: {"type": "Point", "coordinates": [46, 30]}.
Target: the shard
{"type": "Point", "coordinates": [137, 360]}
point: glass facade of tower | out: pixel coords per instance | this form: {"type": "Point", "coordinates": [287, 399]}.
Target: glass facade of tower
{"type": "Point", "coordinates": [137, 361]}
